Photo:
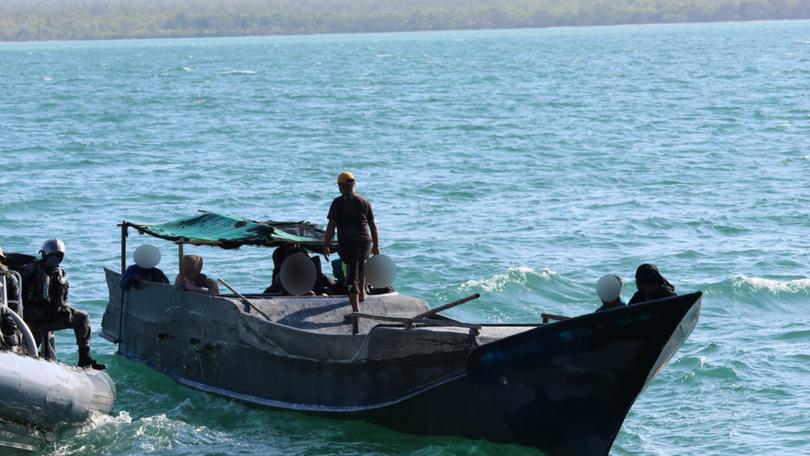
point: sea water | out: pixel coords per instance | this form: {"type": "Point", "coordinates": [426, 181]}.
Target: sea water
{"type": "Point", "coordinates": [521, 165]}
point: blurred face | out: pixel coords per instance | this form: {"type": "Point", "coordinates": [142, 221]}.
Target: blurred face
{"type": "Point", "coordinates": [346, 189]}
{"type": "Point", "coordinates": [53, 259]}
{"type": "Point", "coordinates": [647, 288]}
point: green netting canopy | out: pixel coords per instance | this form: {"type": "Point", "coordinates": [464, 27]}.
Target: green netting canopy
{"type": "Point", "coordinates": [210, 228]}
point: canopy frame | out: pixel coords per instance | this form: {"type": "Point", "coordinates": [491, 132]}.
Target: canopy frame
{"type": "Point", "coordinates": [243, 232]}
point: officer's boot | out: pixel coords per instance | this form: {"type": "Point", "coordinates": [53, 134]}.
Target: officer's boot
{"type": "Point", "coordinates": [85, 361]}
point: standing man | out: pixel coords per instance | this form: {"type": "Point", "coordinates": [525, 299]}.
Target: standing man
{"type": "Point", "coordinates": [354, 219]}
{"type": "Point", "coordinates": [45, 293]}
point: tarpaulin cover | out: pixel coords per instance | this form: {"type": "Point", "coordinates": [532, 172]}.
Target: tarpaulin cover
{"type": "Point", "coordinates": [210, 228]}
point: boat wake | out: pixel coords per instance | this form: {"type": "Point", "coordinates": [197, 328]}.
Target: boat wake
{"type": "Point", "coordinates": [121, 434]}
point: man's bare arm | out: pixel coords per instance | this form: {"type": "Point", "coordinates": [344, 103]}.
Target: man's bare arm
{"type": "Point", "coordinates": [375, 238]}
{"type": "Point", "coordinates": [327, 240]}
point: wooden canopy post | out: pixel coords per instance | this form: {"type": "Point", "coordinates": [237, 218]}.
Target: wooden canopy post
{"type": "Point", "coordinates": [124, 234]}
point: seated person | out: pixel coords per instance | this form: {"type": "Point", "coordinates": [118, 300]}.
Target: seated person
{"type": "Point", "coordinates": [609, 290]}
{"type": "Point", "coordinates": [339, 285]}
{"type": "Point", "coordinates": [323, 284]}
{"type": "Point", "coordinates": [651, 285]}
{"type": "Point", "coordinates": [146, 259]}
{"type": "Point", "coordinates": [281, 253]}
{"type": "Point", "coordinates": [193, 279]}
{"type": "Point", "coordinates": [8, 327]}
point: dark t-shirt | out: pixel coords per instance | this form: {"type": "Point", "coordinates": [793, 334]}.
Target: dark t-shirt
{"type": "Point", "coordinates": [606, 306]}
{"type": "Point", "coordinates": [351, 214]}
{"type": "Point", "coordinates": [663, 292]}
{"type": "Point", "coordinates": [147, 275]}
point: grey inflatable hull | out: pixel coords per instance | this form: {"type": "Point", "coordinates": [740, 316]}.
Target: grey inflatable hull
{"type": "Point", "coordinates": [44, 396]}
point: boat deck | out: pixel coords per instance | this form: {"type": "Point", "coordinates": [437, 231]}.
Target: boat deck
{"type": "Point", "coordinates": [326, 314]}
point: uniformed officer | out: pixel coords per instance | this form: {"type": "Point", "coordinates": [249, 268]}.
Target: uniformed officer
{"type": "Point", "coordinates": [45, 294]}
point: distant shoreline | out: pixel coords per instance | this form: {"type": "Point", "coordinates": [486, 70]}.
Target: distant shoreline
{"type": "Point", "coordinates": [92, 20]}
{"type": "Point", "coordinates": [194, 36]}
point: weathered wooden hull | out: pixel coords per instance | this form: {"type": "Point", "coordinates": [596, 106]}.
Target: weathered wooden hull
{"type": "Point", "coordinates": [564, 388]}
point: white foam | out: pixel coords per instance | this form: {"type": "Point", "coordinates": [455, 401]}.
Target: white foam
{"type": "Point", "coordinates": [771, 285]}
{"type": "Point", "coordinates": [239, 72]}
{"type": "Point", "coordinates": [516, 275]}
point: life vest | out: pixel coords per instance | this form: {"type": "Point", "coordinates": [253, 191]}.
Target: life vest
{"type": "Point", "coordinates": [44, 287]}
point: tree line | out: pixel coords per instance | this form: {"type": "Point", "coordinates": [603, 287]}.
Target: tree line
{"type": "Point", "coordinates": [107, 19]}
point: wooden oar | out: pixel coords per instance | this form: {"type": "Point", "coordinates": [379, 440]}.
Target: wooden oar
{"type": "Point", "coordinates": [459, 302]}
{"type": "Point", "coordinates": [244, 299]}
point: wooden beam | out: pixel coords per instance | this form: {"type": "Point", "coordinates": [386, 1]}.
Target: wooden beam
{"type": "Point", "coordinates": [459, 302]}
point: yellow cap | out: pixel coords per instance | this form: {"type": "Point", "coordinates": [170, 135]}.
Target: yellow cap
{"type": "Point", "coordinates": [345, 178]}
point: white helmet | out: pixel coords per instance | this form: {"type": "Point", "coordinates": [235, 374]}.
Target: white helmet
{"type": "Point", "coordinates": [609, 287]}
{"type": "Point", "coordinates": [147, 256]}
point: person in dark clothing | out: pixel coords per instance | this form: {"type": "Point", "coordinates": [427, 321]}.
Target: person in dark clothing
{"type": "Point", "coordinates": [609, 290]}
{"type": "Point", "coordinates": [353, 217]}
{"type": "Point", "coordinates": [9, 330]}
{"type": "Point", "coordinates": [651, 285]}
{"type": "Point", "coordinates": [280, 254]}
{"type": "Point", "coordinates": [145, 268]}
{"type": "Point", "coordinates": [45, 294]}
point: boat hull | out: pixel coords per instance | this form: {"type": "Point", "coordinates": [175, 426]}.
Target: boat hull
{"type": "Point", "coordinates": [564, 387]}
{"type": "Point", "coordinates": [38, 396]}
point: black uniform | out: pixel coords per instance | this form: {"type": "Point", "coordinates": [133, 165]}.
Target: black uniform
{"type": "Point", "coordinates": [45, 294]}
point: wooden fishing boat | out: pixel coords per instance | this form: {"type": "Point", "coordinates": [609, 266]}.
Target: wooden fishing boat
{"type": "Point", "coordinates": [563, 386]}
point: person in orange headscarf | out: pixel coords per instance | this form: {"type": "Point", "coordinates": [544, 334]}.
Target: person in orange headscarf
{"type": "Point", "coordinates": [193, 279]}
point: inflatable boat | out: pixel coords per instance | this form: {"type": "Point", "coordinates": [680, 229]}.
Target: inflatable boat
{"type": "Point", "coordinates": [39, 397]}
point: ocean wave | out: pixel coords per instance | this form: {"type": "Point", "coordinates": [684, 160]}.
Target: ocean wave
{"type": "Point", "coordinates": [521, 276]}
{"type": "Point", "coordinates": [745, 286]}
{"type": "Point", "coordinates": [238, 72]}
